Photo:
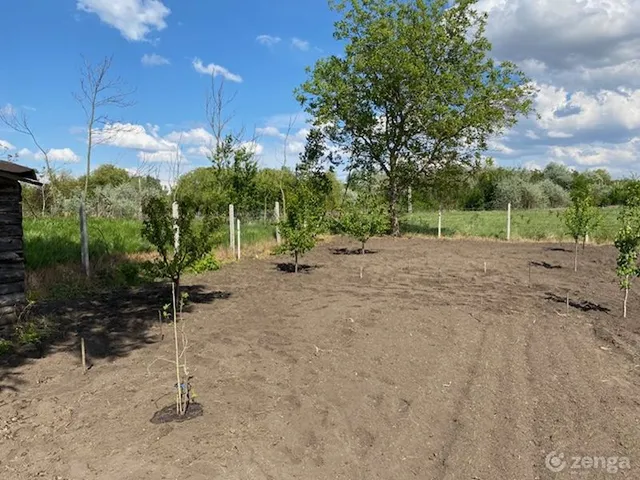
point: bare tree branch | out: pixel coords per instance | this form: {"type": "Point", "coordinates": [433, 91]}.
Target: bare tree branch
{"type": "Point", "coordinates": [99, 91]}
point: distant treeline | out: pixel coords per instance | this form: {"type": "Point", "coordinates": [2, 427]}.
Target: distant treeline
{"type": "Point", "coordinates": [115, 193]}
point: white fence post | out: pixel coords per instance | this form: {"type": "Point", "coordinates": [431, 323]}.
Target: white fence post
{"type": "Point", "coordinates": [238, 233]}
{"type": "Point", "coordinates": [277, 215]}
{"type": "Point", "coordinates": [409, 201]}
{"type": "Point", "coordinates": [175, 214]}
{"type": "Point", "coordinates": [232, 235]}
{"type": "Point", "coordinates": [509, 221]}
{"type": "Point", "coordinates": [440, 223]}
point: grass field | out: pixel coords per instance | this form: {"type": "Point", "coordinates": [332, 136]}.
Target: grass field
{"type": "Point", "coordinates": [54, 241]}
{"type": "Point", "coordinates": [525, 224]}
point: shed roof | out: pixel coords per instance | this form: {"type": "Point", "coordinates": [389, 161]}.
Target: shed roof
{"type": "Point", "coordinates": [13, 171]}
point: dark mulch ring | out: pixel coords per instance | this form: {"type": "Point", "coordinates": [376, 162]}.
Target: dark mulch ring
{"type": "Point", "coordinates": [168, 414]}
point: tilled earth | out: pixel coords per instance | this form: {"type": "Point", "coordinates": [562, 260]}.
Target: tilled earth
{"type": "Point", "coordinates": [426, 367]}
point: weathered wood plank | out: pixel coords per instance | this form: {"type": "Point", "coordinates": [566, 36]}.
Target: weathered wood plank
{"type": "Point", "coordinates": [17, 287]}
{"type": "Point", "coordinates": [11, 231]}
{"type": "Point", "coordinates": [7, 315]}
{"type": "Point", "coordinates": [8, 257]}
{"type": "Point", "coordinates": [10, 245]}
{"type": "Point", "coordinates": [11, 299]}
{"type": "Point", "coordinates": [10, 276]}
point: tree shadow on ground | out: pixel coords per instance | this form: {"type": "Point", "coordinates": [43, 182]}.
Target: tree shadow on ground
{"type": "Point", "coordinates": [113, 324]}
{"type": "Point", "coordinates": [545, 265]}
{"type": "Point", "coordinates": [583, 305]}
{"type": "Point", "coordinates": [291, 267]}
{"type": "Point", "coordinates": [351, 251]}
{"type": "Point", "coordinates": [558, 249]}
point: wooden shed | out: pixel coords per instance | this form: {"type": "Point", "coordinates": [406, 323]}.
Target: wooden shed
{"type": "Point", "coordinates": [12, 284]}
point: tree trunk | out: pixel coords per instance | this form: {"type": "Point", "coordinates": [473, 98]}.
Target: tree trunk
{"type": "Point", "coordinates": [575, 258]}
{"type": "Point", "coordinates": [295, 262]}
{"type": "Point", "coordinates": [393, 206]}
{"type": "Point", "coordinates": [624, 305]}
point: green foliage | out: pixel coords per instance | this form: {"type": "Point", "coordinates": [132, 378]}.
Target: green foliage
{"type": "Point", "coordinates": [304, 219]}
{"type": "Point", "coordinates": [363, 217]}
{"type": "Point", "coordinates": [158, 229]}
{"type": "Point", "coordinates": [628, 239]}
{"type": "Point", "coordinates": [415, 88]}
{"type": "Point", "coordinates": [208, 263]}
{"type": "Point", "coordinates": [6, 347]}
{"type": "Point", "coordinates": [582, 216]}
{"type": "Point", "coordinates": [556, 196]}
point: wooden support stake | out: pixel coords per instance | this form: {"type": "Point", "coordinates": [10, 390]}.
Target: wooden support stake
{"type": "Point", "coordinates": [409, 201]}
{"type": "Point", "coordinates": [440, 223]}
{"type": "Point", "coordinates": [84, 355]}
{"type": "Point", "coordinates": [361, 269]}
{"type": "Point", "coordinates": [485, 267]}
{"type": "Point", "coordinates": [567, 303]}
{"type": "Point", "coordinates": [529, 274]}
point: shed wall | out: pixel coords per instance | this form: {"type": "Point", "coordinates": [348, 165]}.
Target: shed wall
{"type": "Point", "coordinates": [12, 285]}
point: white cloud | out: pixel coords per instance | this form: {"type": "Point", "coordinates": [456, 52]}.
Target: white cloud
{"type": "Point", "coordinates": [201, 151]}
{"type": "Point", "coordinates": [154, 60]}
{"type": "Point", "coordinates": [127, 135]}
{"type": "Point", "coordinates": [64, 155]}
{"type": "Point", "coordinates": [268, 40]}
{"type": "Point", "coordinates": [599, 155]}
{"type": "Point", "coordinates": [5, 145]}
{"type": "Point", "coordinates": [270, 131]}
{"type": "Point", "coordinates": [563, 113]}
{"type": "Point", "coordinates": [195, 136]}
{"type": "Point", "coordinates": [59, 155]}
{"type": "Point", "coordinates": [215, 70]}
{"type": "Point", "coordinates": [135, 19]}
{"type": "Point", "coordinates": [253, 147]}
{"type": "Point", "coordinates": [163, 156]}
{"type": "Point", "coordinates": [300, 44]}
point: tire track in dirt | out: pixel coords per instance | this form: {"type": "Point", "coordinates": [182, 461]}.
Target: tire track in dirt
{"type": "Point", "coordinates": [493, 424]}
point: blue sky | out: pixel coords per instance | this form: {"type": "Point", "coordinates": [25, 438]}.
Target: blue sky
{"type": "Point", "coordinates": [266, 44]}
{"type": "Point", "coordinates": [583, 56]}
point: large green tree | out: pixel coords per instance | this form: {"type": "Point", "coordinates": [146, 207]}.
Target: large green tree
{"type": "Point", "coordinates": [415, 88]}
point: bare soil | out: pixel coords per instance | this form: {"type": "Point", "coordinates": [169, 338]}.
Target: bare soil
{"type": "Point", "coordinates": [426, 367]}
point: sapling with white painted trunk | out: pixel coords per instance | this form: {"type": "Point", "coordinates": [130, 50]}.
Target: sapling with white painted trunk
{"type": "Point", "coordinates": [628, 243]}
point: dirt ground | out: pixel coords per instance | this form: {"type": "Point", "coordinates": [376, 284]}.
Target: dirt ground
{"type": "Point", "coordinates": [426, 367]}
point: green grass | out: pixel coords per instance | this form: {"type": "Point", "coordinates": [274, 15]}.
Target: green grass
{"type": "Point", "coordinates": [525, 224]}
{"type": "Point", "coordinates": [52, 241]}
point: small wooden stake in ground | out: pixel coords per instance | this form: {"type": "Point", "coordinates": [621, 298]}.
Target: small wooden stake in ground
{"type": "Point", "coordinates": [567, 303]}
{"type": "Point", "coordinates": [485, 267]}
{"type": "Point", "coordinates": [440, 223]}
{"type": "Point", "coordinates": [509, 221]}
{"type": "Point", "coordinates": [529, 274]}
{"type": "Point", "coordinates": [361, 269]}
{"type": "Point", "coordinates": [84, 355]}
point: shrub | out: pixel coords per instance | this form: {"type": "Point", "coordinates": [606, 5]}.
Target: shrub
{"type": "Point", "coordinates": [363, 218]}
{"type": "Point", "coordinates": [557, 197]}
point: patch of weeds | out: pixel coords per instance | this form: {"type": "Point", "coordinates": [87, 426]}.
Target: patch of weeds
{"type": "Point", "coordinates": [208, 263]}
{"type": "Point", "coordinates": [6, 347]}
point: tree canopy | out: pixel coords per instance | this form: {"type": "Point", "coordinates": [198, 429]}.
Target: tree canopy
{"type": "Point", "coordinates": [414, 90]}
